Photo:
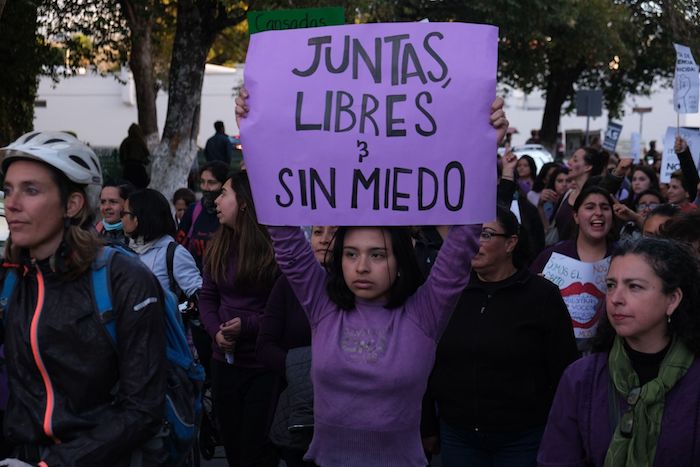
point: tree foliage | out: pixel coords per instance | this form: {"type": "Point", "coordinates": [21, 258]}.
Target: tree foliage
{"type": "Point", "coordinates": [620, 46]}
{"type": "Point", "coordinates": [23, 56]}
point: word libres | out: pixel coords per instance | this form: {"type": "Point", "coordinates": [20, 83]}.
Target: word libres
{"type": "Point", "coordinates": [383, 188]}
{"type": "Point", "coordinates": [342, 111]}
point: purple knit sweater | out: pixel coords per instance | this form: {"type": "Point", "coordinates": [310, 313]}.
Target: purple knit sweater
{"type": "Point", "coordinates": [370, 364]}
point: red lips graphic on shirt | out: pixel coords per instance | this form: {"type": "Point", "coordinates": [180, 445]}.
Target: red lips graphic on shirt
{"type": "Point", "coordinates": [578, 288]}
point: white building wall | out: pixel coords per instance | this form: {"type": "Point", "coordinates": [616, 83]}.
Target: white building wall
{"type": "Point", "coordinates": [99, 109]}
{"type": "Point", "coordinates": [525, 113]}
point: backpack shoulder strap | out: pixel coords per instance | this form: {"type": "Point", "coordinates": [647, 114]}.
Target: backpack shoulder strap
{"type": "Point", "coordinates": [195, 214]}
{"type": "Point", "coordinates": [101, 290]}
{"type": "Point", "coordinates": [7, 288]}
{"type": "Point", "coordinates": [170, 262]}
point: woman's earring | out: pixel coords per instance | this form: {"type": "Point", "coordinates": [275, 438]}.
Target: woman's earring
{"type": "Point", "coordinates": [669, 319]}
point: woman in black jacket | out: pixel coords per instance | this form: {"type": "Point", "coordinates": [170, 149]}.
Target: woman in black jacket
{"type": "Point", "coordinates": [77, 397]}
{"type": "Point", "coordinates": [500, 359]}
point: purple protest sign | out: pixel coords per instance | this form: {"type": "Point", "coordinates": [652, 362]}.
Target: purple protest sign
{"type": "Point", "coordinates": [373, 124]}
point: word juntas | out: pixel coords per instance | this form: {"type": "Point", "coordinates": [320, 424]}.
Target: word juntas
{"type": "Point", "coordinates": [358, 111]}
{"type": "Point", "coordinates": [385, 187]}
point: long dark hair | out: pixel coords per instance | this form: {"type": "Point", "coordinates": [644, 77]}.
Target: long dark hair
{"type": "Point", "coordinates": [408, 277]}
{"type": "Point", "coordinates": [685, 227]}
{"type": "Point", "coordinates": [677, 267]}
{"type": "Point", "coordinates": [651, 175]}
{"type": "Point", "coordinates": [520, 255]}
{"type": "Point", "coordinates": [551, 183]}
{"type": "Point", "coordinates": [256, 268]}
{"type": "Point", "coordinates": [531, 163]}
{"type": "Point", "coordinates": [598, 160]}
{"type": "Point", "coordinates": [155, 219]}
{"type": "Point", "coordinates": [541, 179]}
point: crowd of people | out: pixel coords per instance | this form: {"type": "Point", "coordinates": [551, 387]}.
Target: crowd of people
{"type": "Point", "coordinates": [354, 346]}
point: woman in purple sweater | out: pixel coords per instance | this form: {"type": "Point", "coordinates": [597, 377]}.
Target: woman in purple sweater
{"type": "Point", "coordinates": [239, 272]}
{"type": "Point", "coordinates": [636, 400]}
{"type": "Point", "coordinates": [374, 332]}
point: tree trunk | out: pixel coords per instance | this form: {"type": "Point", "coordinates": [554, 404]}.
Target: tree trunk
{"type": "Point", "coordinates": [174, 155]}
{"type": "Point", "coordinates": [560, 87]}
{"type": "Point", "coordinates": [140, 21]}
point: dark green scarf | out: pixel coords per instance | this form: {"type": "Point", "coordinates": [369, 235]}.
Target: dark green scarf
{"type": "Point", "coordinates": [642, 421]}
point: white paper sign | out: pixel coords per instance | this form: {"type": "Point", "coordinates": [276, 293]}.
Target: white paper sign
{"type": "Point", "coordinates": [635, 147]}
{"type": "Point", "coordinates": [582, 286]}
{"type": "Point", "coordinates": [669, 159]}
{"type": "Point", "coordinates": [686, 83]}
{"type": "Point", "coordinates": [612, 134]}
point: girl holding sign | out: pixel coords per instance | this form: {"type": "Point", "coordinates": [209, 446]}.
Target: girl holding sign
{"type": "Point", "coordinates": [635, 402]}
{"type": "Point", "coordinates": [374, 332]}
{"type": "Point", "coordinates": [594, 219]}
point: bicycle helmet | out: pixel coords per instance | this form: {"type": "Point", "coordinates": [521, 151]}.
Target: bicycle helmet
{"type": "Point", "coordinates": [60, 150]}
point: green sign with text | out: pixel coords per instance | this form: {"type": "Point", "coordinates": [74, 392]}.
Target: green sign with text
{"type": "Point", "coordinates": [259, 21]}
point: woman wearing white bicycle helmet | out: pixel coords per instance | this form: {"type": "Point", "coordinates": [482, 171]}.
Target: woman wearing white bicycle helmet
{"type": "Point", "coordinates": [77, 398]}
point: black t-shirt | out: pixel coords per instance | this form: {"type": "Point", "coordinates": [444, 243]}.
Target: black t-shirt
{"type": "Point", "coordinates": [646, 365]}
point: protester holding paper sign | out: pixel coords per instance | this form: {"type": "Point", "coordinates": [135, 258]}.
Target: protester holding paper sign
{"type": "Point", "coordinates": [593, 243]}
{"type": "Point", "coordinates": [500, 359]}
{"type": "Point", "coordinates": [374, 331]}
{"type": "Point", "coordinates": [635, 402]}
{"type": "Point", "coordinates": [682, 188]}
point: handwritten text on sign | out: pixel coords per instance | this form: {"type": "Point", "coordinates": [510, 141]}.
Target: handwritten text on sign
{"type": "Point", "coordinates": [374, 124]}
{"type": "Point", "coordinates": [686, 83]}
{"type": "Point", "coordinates": [669, 159]}
{"type": "Point", "coordinates": [582, 286]}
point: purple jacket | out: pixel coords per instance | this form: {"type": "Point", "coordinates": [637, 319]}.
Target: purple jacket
{"type": "Point", "coordinates": [219, 303]}
{"type": "Point", "coordinates": [579, 429]}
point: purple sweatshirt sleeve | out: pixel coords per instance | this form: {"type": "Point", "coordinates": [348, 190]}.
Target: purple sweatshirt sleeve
{"type": "Point", "coordinates": [562, 444]}
{"type": "Point", "coordinates": [209, 305]}
{"type": "Point", "coordinates": [433, 303]}
{"type": "Point", "coordinates": [305, 274]}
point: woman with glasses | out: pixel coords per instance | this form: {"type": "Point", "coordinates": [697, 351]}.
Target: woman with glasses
{"type": "Point", "coordinates": [635, 214]}
{"type": "Point", "coordinates": [501, 356]}
{"type": "Point", "coordinates": [634, 401]}
{"type": "Point", "coordinates": [593, 242]}
{"type": "Point", "coordinates": [150, 226]}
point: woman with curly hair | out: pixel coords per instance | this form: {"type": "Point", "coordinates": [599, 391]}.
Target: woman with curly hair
{"type": "Point", "coordinates": [635, 400]}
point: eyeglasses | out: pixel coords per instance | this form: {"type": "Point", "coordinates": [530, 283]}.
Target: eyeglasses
{"type": "Point", "coordinates": [128, 213]}
{"type": "Point", "coordinates": [627, 420]}
{"type": "Point", "coordinates": [486, 235]}
{"type": "Point", "coordinates": [650, 206]}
